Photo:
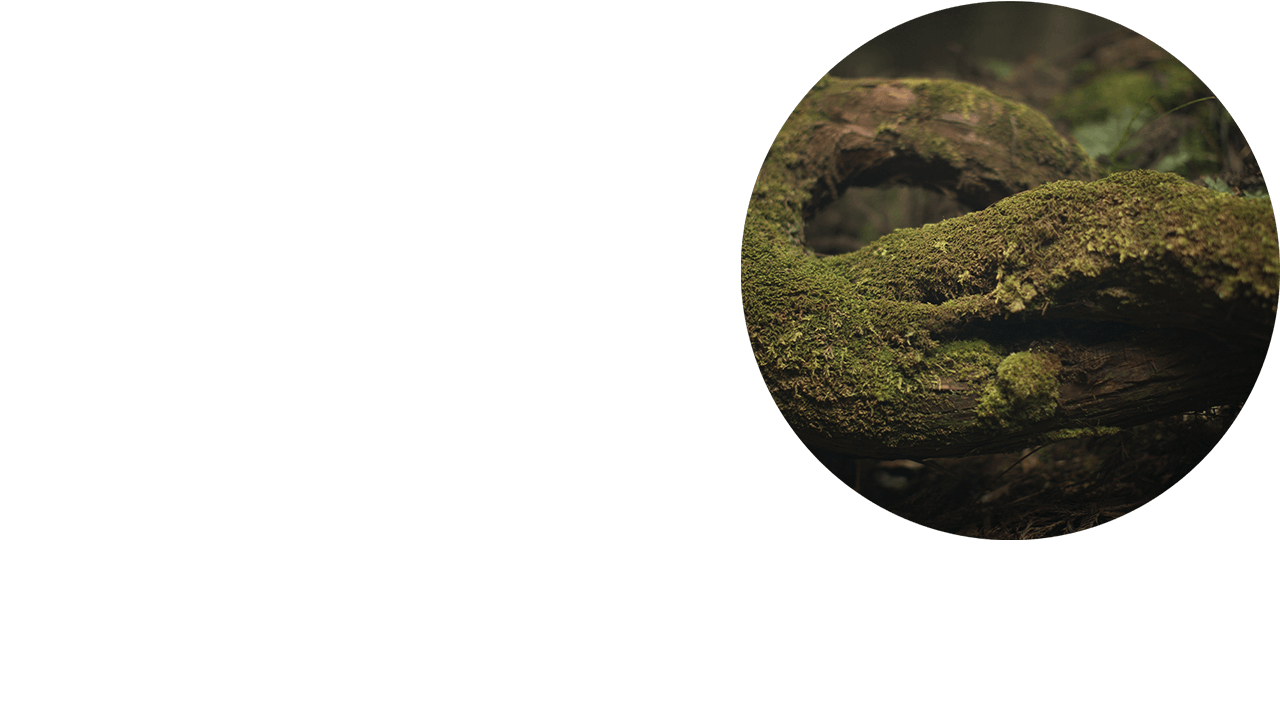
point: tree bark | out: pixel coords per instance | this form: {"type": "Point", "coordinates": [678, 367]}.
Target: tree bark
{"type": "Point", "coordinates": [1064, 305]}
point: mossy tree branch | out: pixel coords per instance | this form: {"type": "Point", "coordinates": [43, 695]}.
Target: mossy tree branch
{"type": "Point", "coordinates": [1065, 306]}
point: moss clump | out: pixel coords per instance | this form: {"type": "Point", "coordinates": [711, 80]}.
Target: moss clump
{"type": "Point", "coordinates": [1025, 391]}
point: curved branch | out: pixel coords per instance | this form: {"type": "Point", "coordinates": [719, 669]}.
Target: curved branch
{"type": "Point", "coordinates": [1076, 307]}
{"type": "Point", "coordinates": [956, 138]}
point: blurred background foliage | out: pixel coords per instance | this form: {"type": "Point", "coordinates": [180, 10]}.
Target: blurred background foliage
{"type": "Point", "coordinates": [1129, 103]}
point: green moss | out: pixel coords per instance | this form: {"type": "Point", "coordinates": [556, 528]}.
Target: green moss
{"type": "Point", "coordinates": [971, 362]}
{"type": "Point", "coordinates": [1014, 295]}
{"type": "Point", "coordinates": [867, 346]}
{"type": "Point", "coordinates": [844, 338]}
{"type": "Point", "coordinates": [1025, 391]}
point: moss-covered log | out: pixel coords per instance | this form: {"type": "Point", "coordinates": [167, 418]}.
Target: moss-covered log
{"type": "Point", "coordinates": [1066, 306]}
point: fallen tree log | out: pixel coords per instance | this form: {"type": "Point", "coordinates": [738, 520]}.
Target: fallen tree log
{"type": "Point", "coordinates": [1063, 306]}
